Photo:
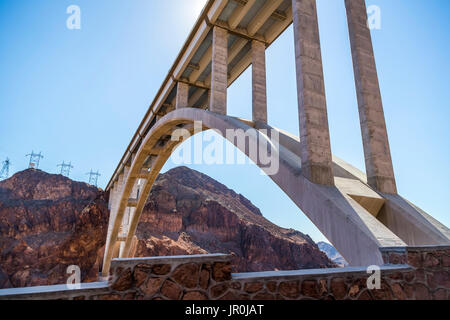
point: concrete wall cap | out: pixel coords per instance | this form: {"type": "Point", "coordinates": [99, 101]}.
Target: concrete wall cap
{"type": "Point", "coordinates": [393, 249]}
{"type": "Point", "coordinates": [61, 289]}
{"type": "Point", "coordinates": [173, 259]}
{"type": "Point", "coordinates": [429, 248]}
{"type": "Point", "coordinates": [316, 272]}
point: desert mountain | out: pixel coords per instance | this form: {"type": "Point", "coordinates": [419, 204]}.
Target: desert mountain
{"type": "Point", "coordinates": [48, 222]}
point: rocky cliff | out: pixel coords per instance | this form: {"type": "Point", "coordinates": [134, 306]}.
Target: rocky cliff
{"type": "Point", "coordinates": [188, 212]}
{"type": "Point", "coordinates": [48, 222]}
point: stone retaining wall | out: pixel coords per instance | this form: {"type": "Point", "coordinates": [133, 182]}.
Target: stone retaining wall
{"type": "Point", "coordinates": [412, 273]}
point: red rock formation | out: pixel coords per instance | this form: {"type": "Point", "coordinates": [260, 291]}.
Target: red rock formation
{"type": "Point", "coordinates": [189, 212]}
{"type": "Point", "coordinates": [48, 222]}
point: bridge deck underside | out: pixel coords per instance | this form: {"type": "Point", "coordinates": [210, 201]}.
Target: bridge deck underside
{"type": "Point", "coordinates": [245, 20]}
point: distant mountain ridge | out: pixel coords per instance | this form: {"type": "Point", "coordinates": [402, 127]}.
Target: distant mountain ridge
{"type": "Point", "coordinates": [332, 253]}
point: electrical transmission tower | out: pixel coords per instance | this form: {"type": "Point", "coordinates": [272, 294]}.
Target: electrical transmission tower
{"type": "Point", "coordinates": [4, 173]}
{"type": "Point", "coordinates": [35, 158]}
{"type": "Point", "coordinates": [65, 168]}
{"type": "Point", "coordinates": [93, 177]}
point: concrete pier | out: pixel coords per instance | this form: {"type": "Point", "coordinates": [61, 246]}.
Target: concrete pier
{"type": "Point", "coordinates": [377, 153]}
{"type": "Point", "coordinates": [259, 91]}
{"type": "Point", "coordinates": [312, 106]}
{"type": "Point", "coordinates": [219, 72]}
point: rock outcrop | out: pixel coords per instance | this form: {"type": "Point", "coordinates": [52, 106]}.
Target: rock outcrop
{"type": "Point", "coordinates": [189, 212]}
{"type": "Point", "coordinates": [48, 222]}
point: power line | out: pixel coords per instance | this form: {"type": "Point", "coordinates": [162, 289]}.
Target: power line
{"type": "Point", "coordinates": [35, 158]}
{"type": "Point", "coordinates": [93, 177]}
{"type": "Point", "coordinates": [65, 168]}
{"type": "Point", "coordinates": [4, 173]}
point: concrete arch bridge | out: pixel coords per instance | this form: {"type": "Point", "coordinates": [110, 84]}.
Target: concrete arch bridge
{"type": "Point", "coordinates": [360, 213]}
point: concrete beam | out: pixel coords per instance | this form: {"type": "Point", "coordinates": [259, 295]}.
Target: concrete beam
{"type": "Point", "coordinates": [278, 27]}
{"type": "Point", "coordinates": [219, 73]}
{"type": "Point", "coordinates": [196, 96]}
{"type": "Point", "coordinates": [240, 67]}
{"type": "Point", "coordinates": [202, 65]}
{"type": "Point", "coordinates": [239, 13]}
{"type": "Point", "coordinates": [314, 131]}
{"type": "Point", "coordinates": [132, 202]}
{"type": "Point", "coordinates": [262, 16]}
{"type": "Point", "coordinates": [237, 46]}
{"type": "Point", "coordinates": [240, 32]}
{"type": "Point", "coordinates": [380, 171]}
{"type": "Point", "coordinates": [259, 92]}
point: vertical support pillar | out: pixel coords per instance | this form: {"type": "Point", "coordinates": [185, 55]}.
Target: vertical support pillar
{"type": "Point", "coordinates": [127, 218]}
{"type": "Point", "coordinates": [219, 72]}
{"type": "Point", "coordinates": [123, 223]}
{"type": "Point", "coordinates": [259, 92]}
{"type": "Point", "coordinates": [377, 153]}
{"type": "Point", "coordinates": [111, 197]}
{"type": "Point", "coordinates": [314, 131]}
{"type": "Point", "coordinates": [182, 100]}
{"type": "Point", "coordinates": [110, 245]}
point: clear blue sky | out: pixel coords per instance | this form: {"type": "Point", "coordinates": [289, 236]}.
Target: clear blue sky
{"type": "Point", "coordinates": [79, 95]}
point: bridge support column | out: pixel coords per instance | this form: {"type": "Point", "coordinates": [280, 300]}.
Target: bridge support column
{"type": "Point", "coordinates": [182, 100]}
{"type": "Point", "coordinates": [380, 171]}
{"type": "Point", "coordinates": [115, 198]}
{"type": "Point", "coordinates": [259, 91]}
{"type": "Point", "coordinates": [314, 131]}
{"type": "Point", "coordinates": [126, 221]}
{"type": "Point", "coordinates": [219, 72]}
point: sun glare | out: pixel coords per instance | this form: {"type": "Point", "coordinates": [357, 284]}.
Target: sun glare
{"type": "Point", "coordinates": [197, 6]}
{"type": "Point", "coordinates": [193, 7]}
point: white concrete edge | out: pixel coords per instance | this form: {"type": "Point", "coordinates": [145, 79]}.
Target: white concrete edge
{"type": "Point", "coordinates": [61, 288]}
{"type": "Point", "coordinates": [171, 259]}
{"type": "Point", "coordinates": [274, 275]}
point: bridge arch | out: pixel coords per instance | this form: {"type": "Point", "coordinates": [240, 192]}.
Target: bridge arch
{"type": "Point", "coordinates": [346, 220]}
{"type": "Point", "coordinates": [359, 213]}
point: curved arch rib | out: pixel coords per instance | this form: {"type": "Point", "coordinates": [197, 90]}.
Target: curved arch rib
{"type": "Point", "coordinates": [345, 213]}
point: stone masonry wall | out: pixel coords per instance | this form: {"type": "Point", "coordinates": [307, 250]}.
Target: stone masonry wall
{"type": "Point", "coordinates": [409, 274]}
{"type": "Point", "coordinates": [412, 274]}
